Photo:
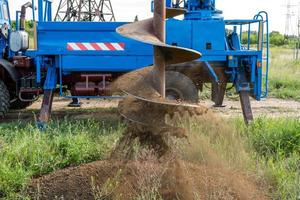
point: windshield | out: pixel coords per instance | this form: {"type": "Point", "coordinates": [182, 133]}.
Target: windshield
{"type": "Point", "coordinates": [5, 12]}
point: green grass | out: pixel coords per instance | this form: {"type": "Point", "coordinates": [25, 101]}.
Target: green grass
{"type": "Point", "coordinates": [25, 152]}
{"type": "Point", "coordinates": [284, 74]}
{"type": "Point", "coordinates": [275, 145]}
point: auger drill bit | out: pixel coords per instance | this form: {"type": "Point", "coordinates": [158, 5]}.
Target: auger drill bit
{"type": "Point", "coordinates": [152, 31]}
{"type": "Point", "coordinates": [146, 105]}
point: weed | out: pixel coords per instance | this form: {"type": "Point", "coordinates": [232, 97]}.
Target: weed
{"type": "Point", "coordinates": [108, 190]}
{"type": "Point", "coordinates": [149, 175]}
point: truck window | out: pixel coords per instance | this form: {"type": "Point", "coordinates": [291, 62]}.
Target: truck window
{"type": "Point", "coordinates": [1, 15]}
{"type": "Point", "coordinates": [5, 11]}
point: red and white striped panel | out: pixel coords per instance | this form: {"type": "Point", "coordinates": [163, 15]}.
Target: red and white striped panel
{"type": "Point", "coordinates": [84, 46]}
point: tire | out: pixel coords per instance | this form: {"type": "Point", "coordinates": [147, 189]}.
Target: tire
{"type": "Point", "coordinates": [180, 87]}
{"type": "Point", "coordinates": [4, 99]}
{"type": "Point", "coordinates": [18, 104]}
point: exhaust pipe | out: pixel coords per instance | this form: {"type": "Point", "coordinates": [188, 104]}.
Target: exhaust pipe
{"type": "Point", "coordinates": [23, 15]}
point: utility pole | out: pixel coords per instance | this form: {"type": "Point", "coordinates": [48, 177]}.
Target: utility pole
{"type": "Point", "coordinates": [288, 19]}
{"type": "Point", "coordinates": [298, 36]}
{"type": "Point", "coordinates": [85, 10]}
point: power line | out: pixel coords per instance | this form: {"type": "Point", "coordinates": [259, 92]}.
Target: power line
{"type": "Point", "coordinates": [85, 10]}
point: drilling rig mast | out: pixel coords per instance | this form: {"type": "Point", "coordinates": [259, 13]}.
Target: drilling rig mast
{"type": "Point", "coordinates": [85, 10]}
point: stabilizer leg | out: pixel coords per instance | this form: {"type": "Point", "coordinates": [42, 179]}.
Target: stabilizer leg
{"type": "Point", "coordinates": [246, 106]}
{"type": "Point", "coordinates": [45, 113]}
{"type": "Point", "coordinates": [218, 93]}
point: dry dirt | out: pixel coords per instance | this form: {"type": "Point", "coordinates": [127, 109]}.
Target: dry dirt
{"type": "Point", "coordinates": [269, 107]}
{"type": "Point", "coordinates": [186, 182]}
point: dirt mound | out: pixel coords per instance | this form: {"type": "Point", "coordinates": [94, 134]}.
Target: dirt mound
{"type": "Point", "coordinates": [154, 166]}
{"type": "Point", "coordinates": [116, 180]}
{"type": "Point", "coordinates": [153, 159]}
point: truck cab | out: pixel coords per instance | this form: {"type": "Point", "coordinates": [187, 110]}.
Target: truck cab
{"type": "Point", "coordinates": [11, 70]}
{"type": "Point", "coordinates": [4, 18]}
{"type": "Point", "coordinates": [5, 26]}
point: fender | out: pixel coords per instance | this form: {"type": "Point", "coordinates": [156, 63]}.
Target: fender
{"type": "Point", "coordinates": [10, 69]}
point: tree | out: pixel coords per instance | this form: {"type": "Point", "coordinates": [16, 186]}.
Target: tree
{"type": "Point", "coordinates": [253, 38]}
{"type": "Point", "coordinates": [277, 39]}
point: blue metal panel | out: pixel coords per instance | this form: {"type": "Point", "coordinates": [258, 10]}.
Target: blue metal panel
{"type": "Point", "coordinates": [179, 33]}
{"type": "Point", "coordinates": [53, 38]}
{"type": "Point", "coordinates": [103, 63]}
{"type": "Point", "coordinates": [205, 32]}
{"type": "Point", "coordinates": [199, 35]}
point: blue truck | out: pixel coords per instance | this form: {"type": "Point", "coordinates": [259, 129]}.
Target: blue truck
{"type": "Point", "coordinates": [82, 59]}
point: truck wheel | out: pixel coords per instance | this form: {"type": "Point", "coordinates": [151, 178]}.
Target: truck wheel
{"type": "Point", "coordinates": [4, 99]}
{"type": "Point", "coordinates": [18, 104]}
{"type": "Point", "coordinates": [181, 87]}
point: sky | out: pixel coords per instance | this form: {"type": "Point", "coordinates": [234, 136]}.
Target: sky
{"type": "Point", "coordinates": [126, 10]}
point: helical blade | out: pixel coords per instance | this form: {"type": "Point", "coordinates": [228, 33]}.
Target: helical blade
{"type": "Point", "coordinates": [146, 104]}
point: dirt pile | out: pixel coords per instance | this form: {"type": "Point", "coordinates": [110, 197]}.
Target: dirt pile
{"type": "Point", "coordinates": [159, 156]}
{"type": "Point", "coordinates": [137, 179]}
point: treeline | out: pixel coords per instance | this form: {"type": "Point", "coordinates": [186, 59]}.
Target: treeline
{"type": "Point", "coordinates": [276, 39]}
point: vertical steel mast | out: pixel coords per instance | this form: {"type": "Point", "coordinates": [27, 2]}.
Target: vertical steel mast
{"type": "Point", "coordinates": [85, 10]}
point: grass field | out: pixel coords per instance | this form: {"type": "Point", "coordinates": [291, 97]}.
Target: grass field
{"type": "Point", "coordinates": [274, 146]}
{"type": "Point", "coordinates": [284, 74]}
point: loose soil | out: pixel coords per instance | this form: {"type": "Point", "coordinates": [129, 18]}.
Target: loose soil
{"type": "Point", "coordinates": [147, 163]}
{"type": "Point", "coordinates": [189, 181]}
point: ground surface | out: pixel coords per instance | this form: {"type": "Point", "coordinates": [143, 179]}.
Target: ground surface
{"type": "Point", "coordinates": [270, 107]}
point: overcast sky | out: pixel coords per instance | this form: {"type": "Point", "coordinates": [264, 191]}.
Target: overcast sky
{"type": "Point", "coordinates": [126, 10]}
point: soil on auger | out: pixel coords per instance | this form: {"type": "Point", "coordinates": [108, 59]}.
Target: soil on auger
{"type": "Point", "coordinates": [146, 162]}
